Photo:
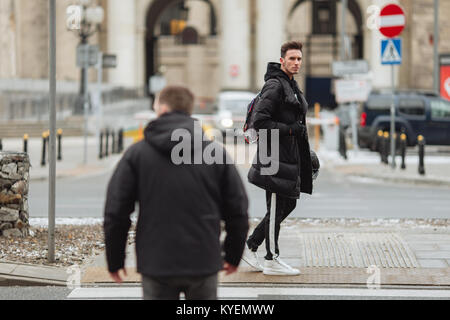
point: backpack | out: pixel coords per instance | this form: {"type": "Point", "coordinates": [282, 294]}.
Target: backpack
{"type": "Point", "coordinates": [250, 134]}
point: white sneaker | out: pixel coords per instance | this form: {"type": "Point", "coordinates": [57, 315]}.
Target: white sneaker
{"type": "Point", "coordinates": [277, 267]}
{"type": "Point", "coordinates": [252, 259]}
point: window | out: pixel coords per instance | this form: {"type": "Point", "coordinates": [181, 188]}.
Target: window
{"type": "Point", "coordinates": [440, 109]}
{"type": "Point", "coordinates": [412, 107]}
{"type": "Point", "coordinates": [379, 103]}
{"type": "Point", "coordinates": [324, 17]}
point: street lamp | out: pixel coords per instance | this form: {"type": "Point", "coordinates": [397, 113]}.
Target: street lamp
{"type": "Point", "coordinates": [84, 18]}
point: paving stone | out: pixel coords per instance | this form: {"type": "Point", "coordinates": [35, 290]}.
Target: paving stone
{"type": "Point", "coordinates": [432, 263]}
{"type": "Point", "coordinates": [432, 254]}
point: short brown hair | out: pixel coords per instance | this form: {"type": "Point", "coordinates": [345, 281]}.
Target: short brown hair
{"type": "Point", "coordinates": [177, 98]}
{"type": "Point", "coordinates": [296, 45]}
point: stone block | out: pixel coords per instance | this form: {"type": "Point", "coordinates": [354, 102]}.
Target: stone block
{"type": "Point", "coordinates": [20, 187]}
{"type": "Point", "coordinates": [5, 226]}
{"type": "Point", "coordinates": [6, 199]}
{"type": "Point", "coordinates": [9, 168]}
{"type": "Point", "coordinates": [8, 215]}
{"type": "Point", "coordinates": [12, 233]}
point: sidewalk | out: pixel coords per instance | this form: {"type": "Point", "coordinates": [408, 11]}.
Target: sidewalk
{"type": "Point", "coordinates": [367, 164]}
{"type": "Point", "coordinates": [71, 164]}
{"type": "Point", "coordinates": [336, 252]}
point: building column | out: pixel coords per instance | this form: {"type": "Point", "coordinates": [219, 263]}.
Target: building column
{"type": "Point", "coordinates": [122, 42]}
{"type": "Point", "coordinates": [235, 42]}
{"type": "Point", "coordinates": [271, 27]}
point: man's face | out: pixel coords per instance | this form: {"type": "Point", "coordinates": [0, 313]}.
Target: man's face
{"type": "Point", "coordinates": [292, 62]}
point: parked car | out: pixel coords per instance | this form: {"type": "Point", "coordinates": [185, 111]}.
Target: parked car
{"type": "Point", "coordinates": [416, 114]}
{"type": "Point", "coordinates": [232, 109]}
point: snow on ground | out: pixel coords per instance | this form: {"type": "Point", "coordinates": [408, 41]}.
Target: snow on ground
{"type": "Point", "coordinates": [43, 222]}
{"type": "Point", "coordinates": [367, 157]}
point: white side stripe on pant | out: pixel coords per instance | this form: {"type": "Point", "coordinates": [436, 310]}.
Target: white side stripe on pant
{"type": "Point", "coordinates": [273, 209]}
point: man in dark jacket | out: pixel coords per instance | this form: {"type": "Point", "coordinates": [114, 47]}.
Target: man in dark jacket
{"type": "Point", "coordinates": [180, 207]}
{"type": "Point", "coordinates": [281, 107]}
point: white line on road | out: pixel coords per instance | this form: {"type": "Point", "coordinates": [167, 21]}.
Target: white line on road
{"type": "Point", "coordinates": [255, 292]}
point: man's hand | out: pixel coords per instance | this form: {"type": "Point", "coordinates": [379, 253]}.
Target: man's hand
{"type": "Point", "coordinates": [229, 269]}
{"type": "Point", "coordinates": [116, 276]}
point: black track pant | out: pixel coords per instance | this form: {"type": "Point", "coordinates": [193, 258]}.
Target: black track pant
{"type": "Point", "coordinates": [278, 208]}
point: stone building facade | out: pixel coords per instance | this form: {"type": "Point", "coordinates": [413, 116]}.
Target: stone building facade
{"type": "Point", "coordinates": [230, 45]}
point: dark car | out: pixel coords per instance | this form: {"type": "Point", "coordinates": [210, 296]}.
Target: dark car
{"type": "Point", "coordinates": [416, 114]}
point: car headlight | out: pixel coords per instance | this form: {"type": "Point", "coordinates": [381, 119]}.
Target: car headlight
{"type": "Point", "coordinates": [226, 123]}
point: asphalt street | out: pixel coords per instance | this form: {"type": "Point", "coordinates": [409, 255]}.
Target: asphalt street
{"type": "Point", "coordinates": [335, 196]}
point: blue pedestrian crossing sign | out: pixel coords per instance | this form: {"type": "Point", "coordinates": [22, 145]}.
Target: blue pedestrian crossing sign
{"type": "Point", "coordinates": [391, 51]}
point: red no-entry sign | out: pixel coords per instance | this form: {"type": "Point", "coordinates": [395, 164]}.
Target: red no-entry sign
{"type": "Point", "coordinates": [392, 20]}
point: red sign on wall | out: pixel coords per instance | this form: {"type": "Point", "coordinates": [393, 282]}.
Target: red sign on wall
{"type": "Point", "coordinates": [445, 76]}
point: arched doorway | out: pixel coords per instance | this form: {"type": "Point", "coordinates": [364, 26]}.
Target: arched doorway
{"type": "Point", "coordinates": [317, 25]}
{"type": "Point", "coordinates": [167, 18]}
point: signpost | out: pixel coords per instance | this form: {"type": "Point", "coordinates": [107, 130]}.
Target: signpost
{"type": "Point", "coordinates": [392, 23]}
{"type": "Point", "coordinates": [52, 141]}
{"type": "Point", "coordinates": [351, 90]}
{"type": "Point", "coordinates": [109, 61]}
{"type": "Point", "coordinates": [343, 68]}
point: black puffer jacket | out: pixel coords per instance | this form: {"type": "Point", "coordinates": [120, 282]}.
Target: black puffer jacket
{"type": "Point", "coordinates": [180, 206]}
{"type": "Point", "coordinates": [281, 104]}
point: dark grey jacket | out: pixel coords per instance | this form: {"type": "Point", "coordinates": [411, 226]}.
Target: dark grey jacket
{"type": "Point", "coordinates": [180, 207]}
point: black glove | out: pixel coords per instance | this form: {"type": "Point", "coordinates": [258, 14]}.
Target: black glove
{"type": "Point", "coordinates": [297, 129]}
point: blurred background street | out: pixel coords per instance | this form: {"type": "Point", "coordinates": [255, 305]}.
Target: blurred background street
{"type": "Point", "coordinates": [371, 95]}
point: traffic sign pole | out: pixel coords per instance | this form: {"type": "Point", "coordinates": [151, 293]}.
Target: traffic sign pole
{"type": "Point", "coordinates": [393, 118]}
{"type": "Point", "coordinates": [52, 141]}
{"type": "Point", "coordinates": [392, 23]}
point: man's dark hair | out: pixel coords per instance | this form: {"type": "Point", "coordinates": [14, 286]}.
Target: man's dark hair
{"type": "Point", "coordinates": [177, 98]}
{"type": "Point", "coordinates": [296, 45]}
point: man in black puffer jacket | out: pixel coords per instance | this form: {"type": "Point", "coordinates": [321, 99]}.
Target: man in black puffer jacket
{"type": "Point", "coordinates": [281, 107]}
{"type": "Point", "coordinates": [181, 205]}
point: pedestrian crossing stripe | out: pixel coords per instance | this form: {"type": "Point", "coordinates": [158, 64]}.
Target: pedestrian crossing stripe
{"type": "Point", "coordinates": [253, 293]}
{"type": "Point", "coordinates": [391, 51]}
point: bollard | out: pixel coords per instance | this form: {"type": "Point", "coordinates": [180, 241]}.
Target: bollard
{"type": "Point", "coordinates": [121, 140]}
{"type": "Point", "coordinates": [44, 144]}
{"type": "Point", "coordinates": [224, 137]}
{"type": "Point", "coordinates": [47, 135]}
{"type": "Point", "coordinates": [100, 154]}
{"type": "Point", "coordinates": [316, 127]}
{"type": "Point", "coordinates": [386, 146]}
{"type": "Point", "coordinates": [379, 144]}
{"type": "Point", "coordinates": [25, 143]}
{"type": "Point", "coordinates": [403, 149]}
{"type": "Point", "coordinates": [113, 142]}
{"type": "Point", "coordinates": [107, 142]}
{"type": "Point", "coordinates": [342, 143]}
{"type": "Point", "coordinates": [59, 132]}
{"type": "Point", "coordinates": [421, 143]}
